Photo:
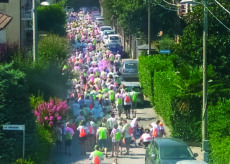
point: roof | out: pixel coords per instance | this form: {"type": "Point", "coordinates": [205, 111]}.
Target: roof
{"type": "Point", "coordinates": [131, 84]}
{"type": "Point", "coordinates": [144, 47]}
{"type": "Point", "coordinates": [4, 20]}
{"type": "Point", "coordinates": [129, 60]}
{"type": "Point", "coordinates": [169, 141]}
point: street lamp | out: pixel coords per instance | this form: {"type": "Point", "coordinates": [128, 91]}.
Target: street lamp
{"type": "Point", "coordinates": [149, 30]}
{"type": "Point", "coordinates": [35, 30]}
{"type": "Point", "coordinates": [35, 45]}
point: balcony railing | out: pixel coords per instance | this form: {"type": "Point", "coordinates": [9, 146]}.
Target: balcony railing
{"type": "Point", "coordinates": [26, 14]}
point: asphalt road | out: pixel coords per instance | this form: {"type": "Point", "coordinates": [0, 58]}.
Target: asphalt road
{"type": "Point", "coordinates": [136, 156]}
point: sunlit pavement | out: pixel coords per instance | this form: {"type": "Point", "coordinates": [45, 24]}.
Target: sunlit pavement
{"type": "Point", "coordinates": [136, 156]}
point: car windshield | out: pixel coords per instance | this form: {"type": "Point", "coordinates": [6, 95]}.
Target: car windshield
{"type": "Point", "coordinates": [100, 19]}
{"type": "Point", "coordinates": [114, 38]}
{"type": "Point", "coordinates": [109, 32]}
{"type": "Point", "coordinates": [175, 152]}
{"type": "Point", "coordinates": [105, 28]}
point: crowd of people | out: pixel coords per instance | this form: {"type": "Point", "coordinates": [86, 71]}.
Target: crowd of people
{"type": "Point", "coordinates": [97, 98]}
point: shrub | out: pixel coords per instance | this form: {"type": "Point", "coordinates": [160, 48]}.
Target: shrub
{"type": "Point", "coordinates": [53, 49]}
{"type": "Point", "coordinates": [51, 19]}
{"type": "Point", "coordinates": [219, 131]}
{"type": "Point", "coordinates": [49, 113]}
{"type": "Point", "coordinates": [175, 98]}
{"type": "Point", "coordinates": [15, 109]}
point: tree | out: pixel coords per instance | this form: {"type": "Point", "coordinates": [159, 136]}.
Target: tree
{"type": "Point", "coordinates": [190, 47]}
{"type": "Point", "coordinates": [15, 109]}
{"type": "Point", "coordinates": [133, 17]}
{"type": "Point", "coordinates": [53, 49]}
{"type": "Point", "coordinates": [51, 19]}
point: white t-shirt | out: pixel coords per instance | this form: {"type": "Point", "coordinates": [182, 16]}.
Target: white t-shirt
{"type": "Point", "coordinates": [146, 137]}
{"type": "Point", "coordinates": [111, 122]}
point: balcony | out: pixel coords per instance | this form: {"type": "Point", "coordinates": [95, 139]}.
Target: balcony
{"type": "Point", "coordinates": [26, 14]}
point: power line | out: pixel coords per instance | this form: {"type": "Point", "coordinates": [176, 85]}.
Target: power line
{"type": "Point", "coordinates": [222, 6]}
{"type": "Point", "coordinates": [164, 6]}
{"type": "Point", "coordinates": [169, 3]}
{"type": "Point", "coordinates": [216, 17]}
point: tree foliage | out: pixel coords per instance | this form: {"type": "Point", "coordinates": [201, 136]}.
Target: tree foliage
{"type": "Point", "coordinates": [53, 49]}
{"type": "Point", "coordinates": [51, 19]}
{"type": "Point", "coordinates": [15, 109]}
{"type": "Point", "coordinates": [133, 16]}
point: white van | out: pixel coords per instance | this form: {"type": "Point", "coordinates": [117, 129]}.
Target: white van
{"type": "Point", "coordinates": [99, 20]}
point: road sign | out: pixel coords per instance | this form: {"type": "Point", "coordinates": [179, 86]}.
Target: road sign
{"type": "Point", "coordinates": [17, 127]}
{"type": "Point", "coordinates": [13, 127]}
{"type": "Point", "coordinates": [165, 51]}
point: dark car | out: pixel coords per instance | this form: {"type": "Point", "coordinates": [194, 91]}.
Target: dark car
{"type": "Point", "coordinates": [168, 151]}
{"type": "Point", "coordinates": [115, 48]}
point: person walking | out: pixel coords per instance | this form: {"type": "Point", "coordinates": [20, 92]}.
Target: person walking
{"type": "Point", "coordinates": [116, 137]}
{"type": "Point", "coordinates": [101, 137]}
{"type": "Point", "coordinates": [119, 100]}
{"type": "Point", "coordinates": [135, 126]}
{"type": "Point", "coordinates": [96, 156]}
{"type": "Point", "coordinates": [127, 104]}
{"type": "Point", "coordinates": [134, 102]}
{"type": "Point", "coordinates": [59, 137]}
{"type": "Point", "coordinates": [83, 131]}
{"type": "Point", "coordinates": [92, 134]}
{"type": "Point", "coordinates": [68, 138]}
{"type": "Point", "coordinates": [127, 133]}
{"type": "Point", "coordinates": [111, 122]}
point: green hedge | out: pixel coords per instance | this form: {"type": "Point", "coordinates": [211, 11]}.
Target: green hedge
{"type": "Point", "coordinates": [15, 109]}
{"type": "Point", "coordinates": [219, 131]}
{"type": "Point", "coordinates": [172, 95]}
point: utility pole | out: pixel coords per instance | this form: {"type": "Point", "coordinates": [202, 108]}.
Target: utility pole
{"type": "Point", "coordinates": [149, 38]}
{"type": "Point", "coordinates": [35, 30]}
{"type": "Point", "coordinates": [205, 145]}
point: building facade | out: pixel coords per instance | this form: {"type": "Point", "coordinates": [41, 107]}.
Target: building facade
{"type": "Point", "coordinates": [19, 31]}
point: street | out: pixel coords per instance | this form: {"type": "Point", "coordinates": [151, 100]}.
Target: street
{"type": "Point", "coordinates": [136, 156]}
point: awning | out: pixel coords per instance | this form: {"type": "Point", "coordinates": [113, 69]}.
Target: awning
{"type": "Point", "coordinates": [4, 20]}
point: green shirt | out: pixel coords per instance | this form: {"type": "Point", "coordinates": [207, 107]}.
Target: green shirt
{"type": "Point", "coordinates": [102, 133]}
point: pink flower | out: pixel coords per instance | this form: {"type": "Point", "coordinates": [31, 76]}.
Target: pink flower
{"type": "Point", "coordinates": [58, 118]}
{"type": "Point", "coordinates": [51, 123]}
{"type": "Point", "coordinates": [51, 118]}
{"type": "Point", "coordinates": [46, 118]}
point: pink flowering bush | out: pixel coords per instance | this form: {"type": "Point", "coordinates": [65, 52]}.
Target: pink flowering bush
{"type": "Point", "coordinates": [49, 113]}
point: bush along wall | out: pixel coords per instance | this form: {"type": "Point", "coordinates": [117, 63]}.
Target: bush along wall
{"type": "Point", "coordinates": [219, 131]}
{"type": "Point", "coordinates": [175, 98]}
{"type": "Point", "coordinates": [15, 109]}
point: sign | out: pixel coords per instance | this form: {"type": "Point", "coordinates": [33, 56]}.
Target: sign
{"type": "Point", "coordinates": [17, 127]}
{"type": "Point", "coordinates": [165, 51]}
{"type": "Point", "coordinates": [13, 127]}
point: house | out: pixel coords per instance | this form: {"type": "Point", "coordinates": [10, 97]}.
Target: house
{"type": "Point", "coordinates": [185, 7]}
{"type": "Point", "coordinates": [19, 31]}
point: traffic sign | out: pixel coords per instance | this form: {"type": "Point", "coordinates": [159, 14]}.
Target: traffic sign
{"type": "Point", "coordinates": [165, 51]}
{"type": "Point", "coordinates": [13, 127]}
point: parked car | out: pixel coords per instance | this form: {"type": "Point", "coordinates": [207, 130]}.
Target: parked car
{"type": "Point", "coordinates": [115, 48]}
{"type": "Point", "coordinates": [168, 151]}
{"type": "Point", "coordinates": [113, 38]}
{"type": "Point", "coordinates": [103, 28]}
{"type": "Point", "coordinates": [135, 86]}
{"type": "Point", "coordinates": [106, 33]}
{"type": "Point", "coordinates": [129, 69]}
{"type": "Point", "coordinates": [99, 20]}
{"type": "Point", "coordinates": [191, 162]}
